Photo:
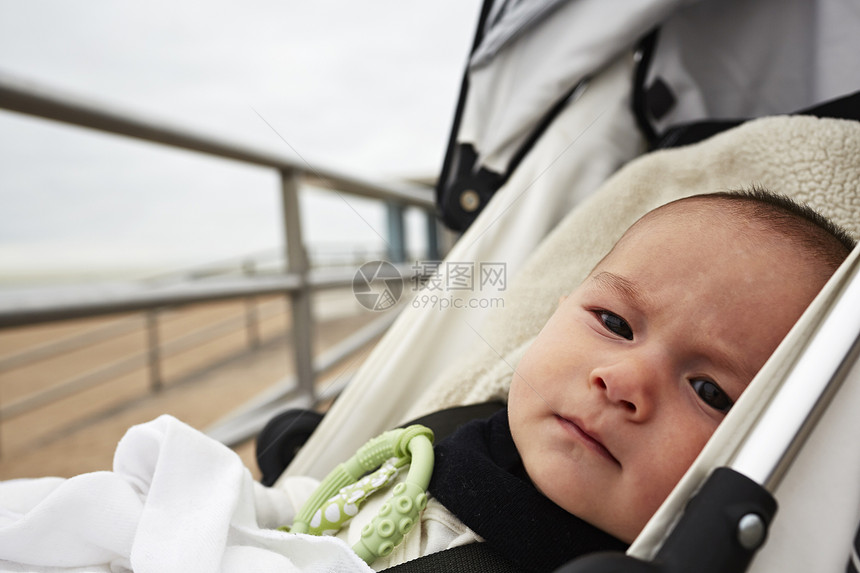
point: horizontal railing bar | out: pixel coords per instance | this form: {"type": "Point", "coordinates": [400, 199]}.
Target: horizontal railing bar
{"type": "Point", "coordinates": [22, 312]}
{"type": "Point", "coordinates": [247, 420]}
{"type": "Point", "coordinates": [353, 343]}
{"type": "Point", "coordinates": [29, 98]}
{"type": "Point", "coordinates": [212, 332]}
{"type": "Point", "coordinates": [54, 348]}
{"type": "Point", "coordinates": [125, 365]}
{"type": "Point", "coordinates": [324, 362]}
{"type": "Point", "coordinates": [236, 430]}
{"type": "Point", "coordinates": [73, 386]}
{"type": "Point", "coordinates": [97, 302]}
{"type": "Point", "coordinates": [222, 265]}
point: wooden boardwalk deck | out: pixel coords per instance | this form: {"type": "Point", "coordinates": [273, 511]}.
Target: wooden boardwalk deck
{"type": "Point", "coordinates": [78, 434]}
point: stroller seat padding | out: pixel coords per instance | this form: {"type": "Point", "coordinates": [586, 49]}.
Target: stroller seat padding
{"type": "Point", "coordinates": [816, 161]}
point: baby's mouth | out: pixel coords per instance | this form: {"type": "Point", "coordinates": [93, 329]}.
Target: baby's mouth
{"type": "Point", "coordinates": [591, 440]}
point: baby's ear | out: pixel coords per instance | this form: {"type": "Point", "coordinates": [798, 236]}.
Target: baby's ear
{"type": "Point", "coordinates": [561, 299]}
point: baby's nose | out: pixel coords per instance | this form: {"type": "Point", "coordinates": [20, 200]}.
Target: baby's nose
{"type": "Point", "coordinates": [631, 384]}
{"type": "Point", "coordinates": [614, 394]}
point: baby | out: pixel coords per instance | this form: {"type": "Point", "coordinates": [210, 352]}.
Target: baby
{"type": "Point", "coordinates": [637, 367]}
{"type": "Point", "coordinates": [607, 409]}
{"type": "Point", "coordinates": [628, 379]}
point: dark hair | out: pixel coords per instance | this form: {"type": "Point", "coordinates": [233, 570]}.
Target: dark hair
{"type": "Point", "coordinates": [817, 234]}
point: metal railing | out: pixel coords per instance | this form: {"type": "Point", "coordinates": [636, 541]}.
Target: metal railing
{"type": "Point", "coordinates": [151, 356]}
{"type": "Point", "coordinates": [298, 280]}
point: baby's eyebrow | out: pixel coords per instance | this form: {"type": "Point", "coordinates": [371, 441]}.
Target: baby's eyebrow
{"type": "Point", "coordinates": [622, 286]}
{"type": "Point", "coordinates": [721, 357]}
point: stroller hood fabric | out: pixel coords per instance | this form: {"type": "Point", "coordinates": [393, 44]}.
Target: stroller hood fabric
{"type": "Point", "coordinates": [726, 59]}
{"type": "Point", "coordinates": [697, 61]}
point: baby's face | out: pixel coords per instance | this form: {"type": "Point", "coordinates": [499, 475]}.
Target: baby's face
{"type": "Point", "coordinates": [637, 367]}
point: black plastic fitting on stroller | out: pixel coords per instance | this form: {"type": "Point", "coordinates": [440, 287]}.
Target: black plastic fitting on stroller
{"type": "Point", "coordinates": [720, 531]}
{"type": "Point", "coordinates": [280, 440]}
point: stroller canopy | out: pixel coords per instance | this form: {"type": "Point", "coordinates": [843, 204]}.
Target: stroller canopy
{"type": "Point", "coordinates": [703, 60]}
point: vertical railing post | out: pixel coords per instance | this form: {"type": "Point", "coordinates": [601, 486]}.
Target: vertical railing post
{"type": "Point", "coordinates": [432, 236]}
{"type": "Point", "coordinates": [153, 350]}
{"type": "Point", "coordinates": [300, 300]}
{"type": "Point", "coordinates": [396, 235]}
{"type": "Point", "coordinates": [252, 322]}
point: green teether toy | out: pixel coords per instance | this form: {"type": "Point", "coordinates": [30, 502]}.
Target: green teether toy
{"type": "Point", "coordinates": [341, 493]}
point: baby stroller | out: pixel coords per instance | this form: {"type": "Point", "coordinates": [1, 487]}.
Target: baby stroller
{"type": "Point", "coordinates": [795, 417]}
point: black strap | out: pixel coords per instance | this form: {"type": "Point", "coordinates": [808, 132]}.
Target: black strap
{"type": "Point", "coordinates": [638, 100]}
{"type": "Point", "coordinates": [653, 101]}
{"type": "Point", "coordinates": [843, 107]}
{"type": "Point", "coordinates": [461, 173]}
{"type": "Point", "coordinates": [450, 151]}
{"type": "Point", "coordinates": [446, 422]}
{"type": "Point", "coordinates": [471, 558]}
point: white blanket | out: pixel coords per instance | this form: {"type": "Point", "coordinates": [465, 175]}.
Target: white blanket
{"type": "Point", "coordinates": [176, 501]}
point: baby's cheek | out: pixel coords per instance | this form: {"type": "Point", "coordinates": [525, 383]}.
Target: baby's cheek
{"type": "Point", "coordinates": [519, 395]}
{"type": "Point", "coordinates": [669, 453]}
{"type": "Point", "coordinates": [679, 453]}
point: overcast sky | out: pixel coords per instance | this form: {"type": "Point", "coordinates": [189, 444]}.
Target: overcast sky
{"type": "Point", "coordinates": [365, 87]}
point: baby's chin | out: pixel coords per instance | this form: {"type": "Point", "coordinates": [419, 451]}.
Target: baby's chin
{"type": "Point", "coordinates": [625, 533]}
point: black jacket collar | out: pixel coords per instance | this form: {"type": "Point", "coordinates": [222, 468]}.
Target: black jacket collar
{"type": "Point", "coordinates": [479, 477]}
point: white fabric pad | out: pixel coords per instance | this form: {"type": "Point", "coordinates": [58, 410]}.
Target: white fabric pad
{"type": "Point", "coordinates": [176, 501]}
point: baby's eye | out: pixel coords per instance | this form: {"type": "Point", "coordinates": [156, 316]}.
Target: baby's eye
{"type": "Point", "coordinates": [712, 395]}
{"type": "Point", "coordinates": [615, 324]}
